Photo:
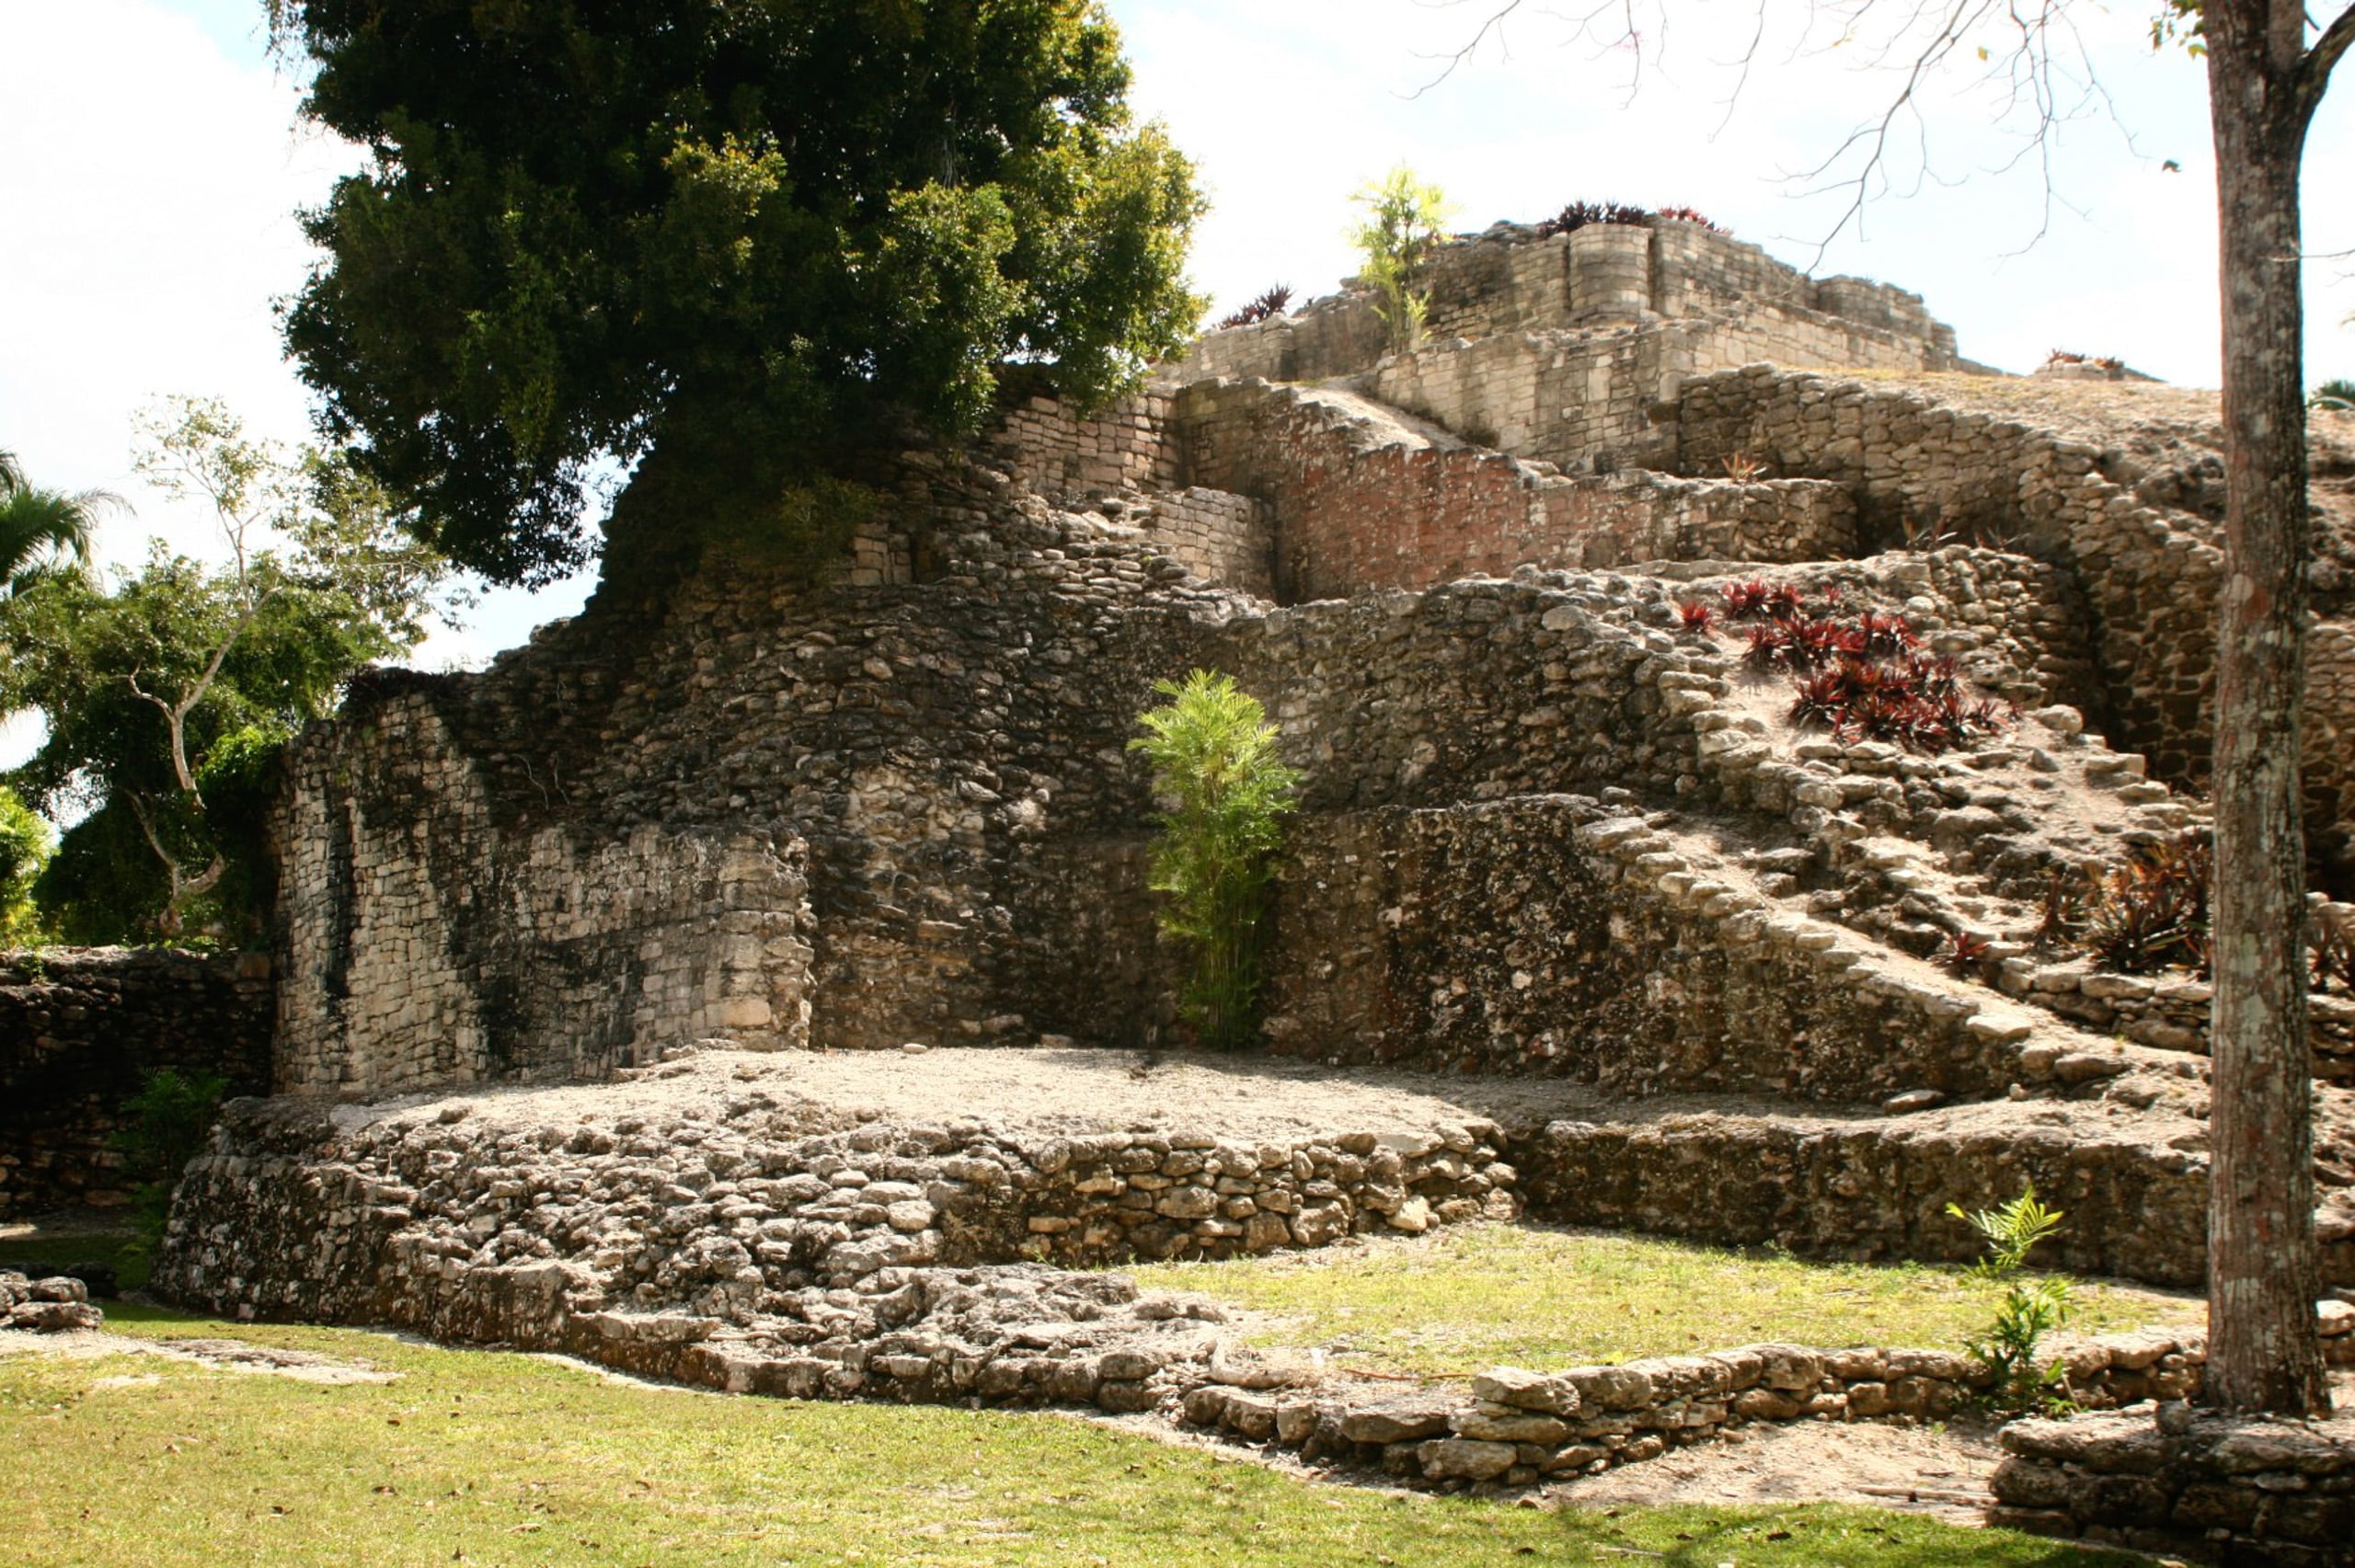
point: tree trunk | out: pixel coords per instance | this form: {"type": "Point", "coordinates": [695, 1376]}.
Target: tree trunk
{"type": "Point", "coordinates": [2263, 1266]}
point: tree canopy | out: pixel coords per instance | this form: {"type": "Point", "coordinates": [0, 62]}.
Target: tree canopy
{"type": "Point", "coordinates": [42, 532]}
{"type": "Point", "coordinates": [728, 234]}
{"type": "Point", "coordinates": [167, 693]}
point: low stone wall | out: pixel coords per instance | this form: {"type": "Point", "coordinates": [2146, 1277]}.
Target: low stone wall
{"type": "Point", "coordinates": [781, 1249]}
{"type": "Point", "coordinates": [1877, 1187]}
{"type": "Point", "coordinates": [2170, 1011]}
{"type": "Point", "coordinates": [1517, 1427]}
{"type": "Point", "coordinates": [79, 1030]}
{"type": "Point", "coordinates": [294, 1214]}
{"type": "Point", "coordinates": [53, 1304]}
{"type": "Point", "coordinates": [2173, 1479]}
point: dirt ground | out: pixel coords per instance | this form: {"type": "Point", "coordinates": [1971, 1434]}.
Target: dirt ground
{"type": "Point", "coordinates": [224, 1354]}
{"type": "Point", "coordinates": [1088, 1089]}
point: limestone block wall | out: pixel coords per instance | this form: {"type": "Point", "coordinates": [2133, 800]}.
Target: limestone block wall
{"type": "Point", "coordinates": [1519, 1426]}
{"type": "Point", "coordinates": [1594, 397]}
{"type": "Point", "coordinates": [80, 1028]}
{"type": "Point", "coordinates": [1509, 282]}
{"type": "Point", "coordinates": [1048, 448]}
{"type": "Point", "coordinates": [426, 942]}
{"type": "Point", "coordinates": [2149, 571]}
{"type": "Point", "coordinates": [1506, 938]}
{"type": "Point", "coordinates": [1357, 499]}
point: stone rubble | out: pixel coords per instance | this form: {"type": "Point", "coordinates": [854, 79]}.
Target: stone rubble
{"type": "Point", "coordinates": [53, 1305]}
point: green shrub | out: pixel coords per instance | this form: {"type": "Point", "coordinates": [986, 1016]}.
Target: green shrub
{"type": "Point", "coordinates": [1214, 757]}
{"type": "Point", "coordinates": [25, 845]}
{"type": "Point", "coordinates": [1402, 224]}
{"type": "Point", "coordinates": [165, 1128]}
{"type": "Point", "coordinates": [2030, 1307]}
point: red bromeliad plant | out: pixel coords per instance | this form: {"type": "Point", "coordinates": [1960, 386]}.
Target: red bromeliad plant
{"type": "Point", "coordinates": [1696, 617]}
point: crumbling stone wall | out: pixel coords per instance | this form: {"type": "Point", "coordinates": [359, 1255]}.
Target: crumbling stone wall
{"type": "Point", "coordinates": [1508, 938]}
{"type": "Point", "coordinates": [79, 1030]}
{"type": "Point", "coordinates": [1358, 498]}
{"type": "Point", "coordinates": [2147, 565]}
{"type": "Point", "coordinates": [1517, 1427]}
{"type": "Point", "coordinates": [426, 942]}
{"type": "Point", "coordinates": [1507, 282]}
{"type": "Point", "coordinates": [2171, 1480]}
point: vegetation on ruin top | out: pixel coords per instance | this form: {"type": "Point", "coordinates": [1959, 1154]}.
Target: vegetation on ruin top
{"type": "Point", "coordinates": [1471, 1297]}
{"type": "Point", "coordinates": [476, 1457]}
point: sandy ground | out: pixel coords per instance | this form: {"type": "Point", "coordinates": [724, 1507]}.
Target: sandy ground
{"type": "Point", "coordinates": [1938, 1470]}
{"type": "Point", "coordinates": [224, 1355]}
{"type": "Point", "coordinates": [1931, 1470]}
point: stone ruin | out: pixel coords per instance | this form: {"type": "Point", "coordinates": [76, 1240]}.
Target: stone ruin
{"type": "Point", "coordinates": [1679, 960]}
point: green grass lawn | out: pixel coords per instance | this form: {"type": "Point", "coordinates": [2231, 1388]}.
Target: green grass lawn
{"type": "Point", "coordinates": [484, 1457]}
{"type": "Point", "coordinates": [1470, 1297]}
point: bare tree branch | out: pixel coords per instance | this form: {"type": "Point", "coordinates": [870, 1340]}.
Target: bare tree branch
{"type": "Point", "coordinates": [2314, 70]}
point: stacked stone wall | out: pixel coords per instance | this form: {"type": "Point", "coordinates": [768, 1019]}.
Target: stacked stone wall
{"type": "Point", "coordinates": [80, 1028]}
{"type": "Point", "coordinates": [1357, 500]}
{"type": "Point", "coordinates": [2171, 1480]}
{"type": "Point", "coordinates": [1508, 282]}
{"type": "Point", "coordinates": [1509, 938]}
{"type": "Point", "coordinates": [425, 942]}
{"type": "Point", "coordinates": [1517, 1427]}
{"type": "Point", "coordinates": [1593, 396]}
{"type": "Point", "coordinates": [1051, 450]}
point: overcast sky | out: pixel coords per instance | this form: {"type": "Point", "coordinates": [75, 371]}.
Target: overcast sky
{"type": "Point", "coordinates": [150, 162]}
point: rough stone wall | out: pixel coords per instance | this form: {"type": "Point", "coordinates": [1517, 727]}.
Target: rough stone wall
{"type": "Point", "coordinates": [950, 752]}
{"type": "Point", "coordinates": [2175, 1480]}
{"type": "Point", "coordinates": [1051, 450]}
{"type": "Point", "coordinates": [2148, 568]}
{"type": "Point", "coordinates": [1359, 499]}
{"type": "Point", "coordinates": [79, 1030]}
{"type": "Point", "coordinates": [1591, 397]}
{"type": "Point", "coordinates": [1509, 938]}
{"type": "Point", "coordinates": [425, 942]}
{"type": "Point", "coordinates": [1518, 1426]}
{"type": "Point", "coordinates": [1508, 281]}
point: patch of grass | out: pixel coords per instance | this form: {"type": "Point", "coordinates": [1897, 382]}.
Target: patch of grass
{"type": "Point", "coordinates": [485, 1458]}
{"type": "Point", "coordinates": [1470, 1297]}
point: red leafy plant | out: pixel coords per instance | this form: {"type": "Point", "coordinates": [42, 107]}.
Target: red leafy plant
{"type": "Point", "coordinates": [1269, 302]}
{"type": "Point", "coordinates": [2152, 912]}
{"type": "Point", "coordinates": [1696, 617]}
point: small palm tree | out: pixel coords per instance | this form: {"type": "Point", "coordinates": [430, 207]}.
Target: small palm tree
{"type": "Point", "coordinates": [43, 533]}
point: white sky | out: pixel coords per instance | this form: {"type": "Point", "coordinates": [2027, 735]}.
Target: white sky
{"type": "Point", "coordinates": [150, 163]}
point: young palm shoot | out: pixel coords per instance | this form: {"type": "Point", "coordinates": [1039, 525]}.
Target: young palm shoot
{"type": "Point", "coordinates": [1215, 765]}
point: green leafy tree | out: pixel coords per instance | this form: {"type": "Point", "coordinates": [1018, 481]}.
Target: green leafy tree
{"type": "Point", "coordinates": [166, 695]}
{"type": "Point", "coordinates": [44, 531]}
{"type": "Point", "coordinates": [1214, 762]}
{"type": "Point", "coordinates": [725, 239]}
{"type": "Point", "coordinates": [1403, 220]}
{"type": "Point", "coordinates": [25, 845]}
